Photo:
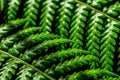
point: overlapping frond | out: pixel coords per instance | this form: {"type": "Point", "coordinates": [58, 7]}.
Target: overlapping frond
{"type": "Point", "coordinates": [24, 73]}
{"type": "Point", "coordinates": [113, 10]}
{"type": "Point", "coordinates": [63, 18]}
{"type": "Point", "coordinates": [98, 3]}
{"type": "Point", "coordinates": [6, 28]}
{"type": "Point", "coordinates": [13, 7]}
{"type": "Point", "coordinates": [38, 76]}
{"type": "Point", "coordinates": [47, 15]}
{"type": "Point", "coordinates": [2, 4]}
{"type": "Point", "coordinates": [30, 12]}
{"type": "Point", "coordinates": [59, 39]}
{"type": "Point", "coordinates": [59, 56]}
{"type": "Point", "coordinates": [108, 44]}
{"type": "Point", "coordinates": [69, 65]}
{"type": "Point", "coordinates": [8, 69]}
{"type": "Point", "coordinates": [93, 74]}
{"type": "Point", "coordinates": [44, 46]}
{"type": "Point", "coordinates": [31, 40]}
{"type": "Point", "coordinates": [79, 19]}
{"type": "Point", "coordinates": [94, 28]}
{"type": "Point", "coordinates": [118, 57]}
{"type": "Point", "coordinates": [3, 57]}
{"type": "Point", "coordinates": [7, 42]}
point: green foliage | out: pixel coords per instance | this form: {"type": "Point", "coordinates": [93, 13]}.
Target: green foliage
{"type": "Point", "coordinates": [63, 18]}
{"type": "Point", "coordinates": [59, 40]}
{"type": "Point", "coordinates": [12, 25]}
{"type": "Point", "coordinates": [15, 50]}
{"type": "Point", "coordinates": [8, 69]}
{"type": "Point", "coordinates": [72, 64]}
{"type": "Point", "coordinates": [2, 58]}
{"type": "Point", "coordinates": [94, 29]}
{"type": "Point", "coordinates": [7, 42]}
{"type": "Point", "coordinates": [47, 15]}
{"type": "Point", "coordinates": [113, 10]}
{"type": "Point", "coordinates": [91, 74]}
{"type": "Point", "coordinates": [98, 3]}
{"type": "Point", "coordinates": [25, 73]}
{"type": "Point", "coordinates": [59, 56]}
{"type": "Point", "coordinates": [30, 12]}
{"type": "Point", "coordinates": [2, 4]}
{"type": "Point", "coordinates": [13, 7]}
{"type": "Point", "coordinates": [78, 25]}
{"type": "Point", "coordinates": [38, 76]}
{"type": "Point", "coordinates": [107, 52]}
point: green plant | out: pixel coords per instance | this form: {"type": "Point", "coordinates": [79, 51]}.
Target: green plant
{"type": "Point", "coordinates": [59, 39]}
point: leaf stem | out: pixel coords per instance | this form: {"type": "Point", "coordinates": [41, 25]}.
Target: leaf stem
{"type": "Point", "coordinates": [106, 15]}
{"type": "Point", "coordinates": [25, 63]}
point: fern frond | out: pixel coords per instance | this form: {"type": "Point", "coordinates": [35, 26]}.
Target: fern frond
{"type": "Point", "coordinates": [8, 69]}
{"type": "Point", "coordinates": [113, 10]}
{"type": "Point", "coordinates": [6, 28]}
{"type": "Point", "coordinates": [118, 57]}
{"type": "Point", "coordinates": [44, 46]}
{"type": "Point", "coordinates": [47, 16]}
{"type": "Point", "coordinates": [72, 64]}
{"type": "Point", "coordinates": [98, 11]}
{"type": "Point", "coordinates": [24, 73]}
{"type": "Point", "coordinates": [111, 78]}
{"type": "Point", "coordinates": [6, 43]}
{"type": "Point", "coordinates": [15, 50]}
{"type": "Point", "coordinates": [63, 18]}
{"type": "Point", "coordinates": [93, 74]}
{"type": "Point", "coordinates": [17, 61]}
{"type": "Point", "coordinates": [13, 9]}
{"type": "Point", "coordinates": [2, 4]}
{"type": "Point", "coordinates": [68, 27]}
{"type": "Point", "coordinates": [38, 76]}
{"type": "Point", "coordinates": [108, 44]}
{"type": "Point", "coordinates": [3, 57]}
{"type": "Point", "coordinates": [59, 56]}
{"type": "Point", "coordinates": [94, 29]}
{"type": "Point", "coordinates": [30, 12]}
{"type": "Point", "coordinates": [98, 3]}
{"type": "Point", "coordinates": [78, 24]}
{"type": "Point", "coordinates": [17, 22]}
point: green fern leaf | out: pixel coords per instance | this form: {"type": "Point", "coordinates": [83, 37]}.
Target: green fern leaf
{"type": "Point", "coordinates": [59, 56]}
{"type": "Point", "coordinates": [113, 10]}
{"type": "Point", "coordinates": [72, 64]}
{"type": "Point", "coordinates": [78, 25]}
{"type": "Point", "coordinates": [63, 18]}
{"type": "Point", "coordinates": [15, 50]}
{"type": "Point", "coordinates": [12, 64]}
{"type": "Point", "coordinates": [93, 74]}
{"type": "Point", "coordinates": [118, 69]}
{"type": "Point", "coordinates": [110, 78]}
{"type": "Point", "coordinates": [8, 69]}
{"type": "Point", "coordinates": [6, 28]}
{"type": "Point", "coordinates": [38, 76]}
{"type": "Point", "coordinates": [30, 12]}
{"type": "Point", "coordinates": [2, 4]}
{"type": "Point", "coordinates": [29, 54]}
{"type": "Point", "coordinates": [25, 73]}
{"type": "Point", "coordinates": [13, 9]}
{"type": "Point", "coordinates": [3, 57]}
{"type": "Point", "coordinates": [47, 16]}
{"type": "Point", "coordinates": [107, 52]}
{"type": "Point", "coordinates": [98, 3]}
{"type": "Point", "coordinates": [6, 43]}
{"type": "Point", "coordinates": [79, 40]}
{"type": "Point", "coordinates": [93, 35]}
